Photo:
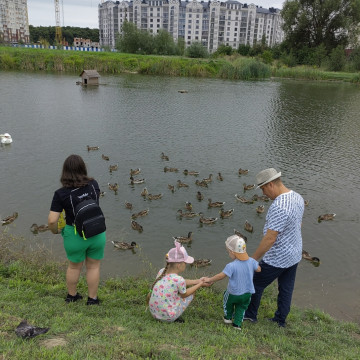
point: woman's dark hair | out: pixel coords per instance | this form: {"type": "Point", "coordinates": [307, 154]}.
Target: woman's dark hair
{"type": "Point", "coordinates": [74, 173]}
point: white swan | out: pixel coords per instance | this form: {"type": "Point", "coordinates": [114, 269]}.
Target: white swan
{"type": "Point", "coordinates": [5, 138]}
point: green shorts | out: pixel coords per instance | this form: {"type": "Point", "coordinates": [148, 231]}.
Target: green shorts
{"type": "Point", "coordinates": [77, 249]}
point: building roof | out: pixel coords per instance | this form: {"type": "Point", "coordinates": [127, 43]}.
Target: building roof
{"type": "Point", "coordinates": [90, 73]}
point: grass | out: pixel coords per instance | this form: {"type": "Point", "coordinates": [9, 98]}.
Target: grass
{"type": "Point", "coordinates": [32, 287]}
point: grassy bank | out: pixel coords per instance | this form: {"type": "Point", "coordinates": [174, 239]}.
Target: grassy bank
{"type": "Point", "coordinates": [32, 287]}
{"type": "Point", "coordinates": [232, 67]}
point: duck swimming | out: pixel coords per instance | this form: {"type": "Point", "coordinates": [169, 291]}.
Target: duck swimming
{"type": "Point", "coordinates": [184, 239]}
{"type": "Point", "coordinates": [201, 262]}
{"type": "Point", "coordinates": [260, 209]}
{"type": "Point", "coordinates": [238, 233]}
{"type": "Point", "coordinates": [326, 217]}
{"type": "Point", "coordinates": [243, 200]}
{"type": "Point", "coordinates": [199, 196]}
{"type": "Point", "coordinates": [135, 171]}
{"type": "Point", "coordinates": [187, 214]}
{"type": "Point", "coordinates": [164, 157]}
{"type": "Point", "coordinates": [140, 214]}
{"type": "Point", "coordinates": [154, 197]}
{"type": "Point", "coordinates": [181, 184]}
{"type": "Point", "coordinates": [144, 192]}
{"type": "Point", "coordinates": [38, 228]}
{"type": "Point", "coordinates": [170, 169]}
{"type": "Point", "coordinates": [105, 157]}
{"type": "Point", "coordinates": [136, 181]}
{"type": "Point", "coordinates": [9, 219]}
{"type": "Point", "coordinates": [113, 167]}
{"type": "Point", "coordinates": [128, 205]}
{"type": "Point", "coordinates": [314, 260]}
{"type": "Point", "coordinates": [248, 227]}
{"type": "Point", "coordinates": [136, 226]}
{"type": "Point", "coordinates": [242, 171]}
{"type": "Point", "coordinates": [249, 187]}
{"type": "Point", "coordinates": [215, 204]}
{"type": "Point", "coordinates": [220, 177]}
{"type": "Point", "coordinates": [124, 245]}
{"type": "Point", "coordinates": [203, 220]}
{"type": "Point", "coordinates": [171, 188]}
{"type": "Point", "coordinates": [113, 187]}
{"type": "Point", "coordinates": [102, 193]}
{"type": "Point", "coordinates": [193, 173]}
{"type": "Point", "coordinates": [208, 180]}
{"type": "Point", "coordinates": [188, 206]}
{"type": "Point", "coordinates": [226, 213]}
{"type": "Point", "coordinates": [201, 183]}
{"type": "Point", "coordinates": [92, 148]}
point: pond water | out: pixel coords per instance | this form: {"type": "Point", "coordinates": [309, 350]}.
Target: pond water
{"type": "Point", "coordinates": [307, 130]}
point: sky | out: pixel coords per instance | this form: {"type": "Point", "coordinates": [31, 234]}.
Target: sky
{"type": "Point", "coordinates": [84, 13]}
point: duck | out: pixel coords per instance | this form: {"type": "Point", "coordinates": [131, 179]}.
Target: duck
{"type": "Point", "coordinates": [314, 260]}
{"type": "Point", "coordinates": [164, 157]}
{"type": "Point", "coordinates": [124, 245]}
{"type": "Point", "coordinates": [226, 213]}
{"type": "Point", "coordinates": [306, 202]}
{"type": "Point", "coordinates": [9, 219]}
{"type": "Point", "coordinates": [243, 171]}
{"type": "Point", "coordinates": [201, 262]}
{"type": "Point", "coordinates": [263, 198]}
{"type": "Point", "coordinates": [105, 157]}
{"type": "Point", "coordinates": [187, 214]}
{"type": "Point", "coordinates": [249, 187]}
{"type": "Point", "coordinates": [199, 196]}
{"type": "Point", "coordinates": [220, 177]}
{"type": "Point", "coordinates": [326, 217]}
{"type": "Point", "coordinates": [183, 91]}
{"type": "Point", "coordinates": [193, 173]}
{"type": "Point", "coordinates": [170, 169]}
{"type": "Point", "coordinates": [140, 213]}
{"type": "Point", "coordinates": [181, 184]}
{"type": "Point", "coordinates": [260, 209]}
{"type": "Point", "coordinates": [5, 138]}
{"type": "Point", "coordinates": [135, 171]}
{"type": "Point", "coordinates": [201, 183]}
{"type": "Point", "coordinates": [38, 228]}
{"type": "Point", "coordinates": [203, 220]}
{"type": "Point", "coordinates": [102, 193]}
{"type": "Point", "coordinates": [243, 200]}
{"type": "Point", "coordinates": [238, 233]}
{"type": "Point", "coordinates": [215, 204]}
{"type": "Point", "coordinates": [128, 205]}
{"type": "Point", "coordinates": [136, 226]}
{"type": "Point", "coordinates": [248, 227]}
{"type": "Point", "coordinates": [208, 179]}
{"type": "Point", "coordinates": [113, 167]}
{"type": "Point", "coordinates": [144, 192]}
{"type": "Point", "coordinates": [154, 197]}
{"type": "Point", "coordinates": [113, 187]}
{"type": "Point", "coordinates": [171, 188]}
{"type": "Point", "coordinates": [184, 239]}
{"type": "Point", "coordinates": [255, 197]}
{"type": "Point", "coordinates": [188, 206]}
{"type": "Point", "coordinates": [92, 148]}
{"type": "Point", "coordinates": [136, 181]}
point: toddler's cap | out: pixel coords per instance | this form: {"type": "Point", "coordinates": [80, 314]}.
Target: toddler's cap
{"type": "Point", "coordinates": [179, 254]}
{"type": "Point", "coordinates": [237, 245]}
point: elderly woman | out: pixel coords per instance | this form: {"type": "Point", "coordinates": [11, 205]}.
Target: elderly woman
{"type": "Point", "coordinates": [78, 249]}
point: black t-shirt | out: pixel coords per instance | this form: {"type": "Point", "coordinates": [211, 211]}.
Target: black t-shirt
{"type": "Point", "coordinates": [61, 199]}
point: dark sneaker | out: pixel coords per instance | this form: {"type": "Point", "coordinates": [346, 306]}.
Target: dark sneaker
{"type": "Point", "coordinates": [179, 320]}
{"type": "Point", "coordinates": [280, 324]}
{"type": "Point", "coordinates": [73, 298]}
{"type": "Point", "coordinates": [237, 327]}
{"type": "Point", "coordinates": [91, 301]}
{"type": "Point", "coordinates": [254, 321]}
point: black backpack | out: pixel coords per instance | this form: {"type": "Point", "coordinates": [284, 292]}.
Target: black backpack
{"type": "Point", "coordinates": [89, 219]}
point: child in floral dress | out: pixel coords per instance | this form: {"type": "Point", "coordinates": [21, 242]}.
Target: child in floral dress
{"type": "Point", "coordinates": [169, 295]}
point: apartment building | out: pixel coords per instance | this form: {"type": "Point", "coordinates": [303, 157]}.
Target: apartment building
{"type": "Point", "coordinates": [212, 23]}
{"type": "Point", "coordinates": [86, 43]}
{"type": "Point", "coordinates": [14, 26]}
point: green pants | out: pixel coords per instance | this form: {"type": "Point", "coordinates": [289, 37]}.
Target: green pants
{"type": "Point", "coordinates": [235, 306]}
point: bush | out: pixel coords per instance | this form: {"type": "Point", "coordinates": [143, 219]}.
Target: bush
{"type": "Point", "coordinates": [267, 57]}
{"type": "Point", "coordinates": [224, 50]}
{"type": "Point", "coordinates": [355, 59]}
{"type": "Point", "coordinates": [244, 50]}
{"type": "Point", "coordinates": [337, 59]}
{"type": "Point", "coordinates": [196, 50]}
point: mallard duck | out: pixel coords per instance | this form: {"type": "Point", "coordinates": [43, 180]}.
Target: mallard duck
{"type": "Point", "coordinates": [226, 213]}
{"type": "Point", "coordinates": [215, 204]}
{"type": "Point", "coordinates": [243, 200]}
{"type": "Point", "coordinates": [220, 177]}
{"type": "Point", "coordinates": [208, 180]}
{"type": "Point", "coordinates": [199, 196]}
{"type": "Point", "coordinates": [105, 157]}
{"type": "Point", "coordinates": [314, 260]}
{"type": "Point", "coordinates": [128, 205]}
{"type": "Point", "coordinates": [144, 192]}
{"type": "Point", "coordinates": [326, 217]}
{"type": "Point", "coordinates": [9, 219]}
{"type": "Point", "coordinates": [187, 214]}
{"type": "Point", "coordinates": [171, 188]}
{"type": "Point", "coordinates": [164, 157]}
{"type": "Point", "coordinates": [201, 183]}
{"type": "Point", "coordinates": [255, 197]}
{"type": "Point", "coordinates": [188, 206]}
{"type": "Point", "coordinates": [306, 202]}
{"type": "Point", "coordinates": [187, 172]}
{"type": "Point", "coordinates": [183, 239]}
{"type": "Point", "coordinates": [242, 171]}
{"type": "Point", "coordinates": [201, 262]}
{"type": "Point", "coordinates": [154, 197]}
{"type": "Point", "coordinates": [39, 228]}
{"type": "Point", "coordinates": [249, 187]}
{"type": "Point", "coordinates": [203, 220]}
{"type": "Point", "coordinates": [136, 181]}
{"type": "Point", "coordinates": [92, 148]}
{"type": "Point", "coordinates": [263, 198]}
{"type": "Point", "coordinates": [113, 167]}
{"type": "Point", "coordinates": [135, 171]}
{"type": "Point", "coordinates": [136, 226]}
{"type": "Point", "coordinates": [124, 245]}
{"type": "Point", "coordinates": [170, 169]}
{"type": "Point", "coordinates": [102, 193]}
{"type": "Point", "coordinates": [248, 227]}
{"type": "Point", "coordinates": [181, 184]}
{"type": "Point", "coordinates": [113, 187]}
{"type": "Point", "coordinates": [140, 213]}
{"type": "Point", "coordinates": [260, 209]}
{"type": "Point", "coordinates": [238, 233]}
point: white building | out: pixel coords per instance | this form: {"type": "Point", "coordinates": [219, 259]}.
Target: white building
{"type": "Point", "coordinates": [14, 25]}
{"type": "Point", "coordinates": [212, 23]}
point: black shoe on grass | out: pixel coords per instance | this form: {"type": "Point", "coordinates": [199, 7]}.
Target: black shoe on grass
{"type": "Point", "coordinates": [91, 301]}
{"type": "Point", "coordinates": [73, 298]}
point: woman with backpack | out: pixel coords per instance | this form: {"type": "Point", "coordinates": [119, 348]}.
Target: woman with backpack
{"type": "Point", "coordinates": [81, 245]}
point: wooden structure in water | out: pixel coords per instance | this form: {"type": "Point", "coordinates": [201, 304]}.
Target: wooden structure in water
{"type": "Point", "coordinates": [90, 77]}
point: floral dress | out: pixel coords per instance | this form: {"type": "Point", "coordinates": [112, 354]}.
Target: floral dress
{"type": "Point", "coordinates": [165, 302]}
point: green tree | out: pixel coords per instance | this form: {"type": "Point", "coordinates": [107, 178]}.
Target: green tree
{"type": "Point", "coordinates": [180, 46]}
{"type": "Point", "coordinates": [310, 23]}
{"type": "Point", "coordinates": [355, 58]}
{"type": "Point", "coordinates": [196, 50]}
{"type": "Point", "coordinates": [337, 59]}
{"type": "Point", "coordinates": [243, 50]}
{"type": "Point", "coordinates": [223, 50]}
{"type": "Point", "coordinates": [164, 43]}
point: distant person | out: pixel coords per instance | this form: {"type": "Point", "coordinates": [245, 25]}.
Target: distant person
{"type": "Point", "coordinates": [78, 249]}
{"type": "Point", "coordinates": [169, 293]}
{"type": "Point", "coordinates": [280, 247]}
{"type": "Point", "coordinates": [240, 287]}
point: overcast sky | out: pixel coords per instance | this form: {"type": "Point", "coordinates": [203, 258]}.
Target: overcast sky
{"type": "Point", "coordinates": [84, 13]}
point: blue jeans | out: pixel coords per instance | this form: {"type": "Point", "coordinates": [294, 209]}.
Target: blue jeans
{"type": "Point", "coordinates": [286, 282]}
